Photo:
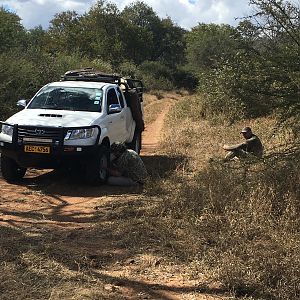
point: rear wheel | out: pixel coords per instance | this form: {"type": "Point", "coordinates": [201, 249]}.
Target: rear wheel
{"type": "Point", "coordinates": [136, 143]}
{"type": "Point", "coordinates": [10, 170]}
{"type": "Point", "coordinates": [97, 167]}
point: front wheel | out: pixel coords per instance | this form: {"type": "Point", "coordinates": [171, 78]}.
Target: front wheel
{"type": "Point", "coordinates": [96, 168]}
{"type": "Point", "coordinates": [136, 143]}
{"type": "Point", "coordinates": [10, 170]}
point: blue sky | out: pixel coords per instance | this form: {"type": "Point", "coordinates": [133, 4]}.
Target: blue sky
{"type": "Point", "coordinates": [186, 13]}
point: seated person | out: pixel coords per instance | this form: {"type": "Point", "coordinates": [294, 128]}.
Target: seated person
{"type": "Point", "coordinates": [252, 146]}
{"type": "Point", "coordinates": [127, 168]}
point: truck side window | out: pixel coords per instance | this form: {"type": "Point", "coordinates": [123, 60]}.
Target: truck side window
{"type": "Point", "coordinates": [112, 97]}
{"type": "Point", "coordinates": [120, 96]}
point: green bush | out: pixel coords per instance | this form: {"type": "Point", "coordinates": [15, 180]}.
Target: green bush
{"type": "Point", "coordinates": [156, 76]}
{"type": "Point", "coordinates": [18, 80]}
{"type": "Point", "coordinates": [128, 69]}
{"type": "Point", "coordinates": [23, 74]}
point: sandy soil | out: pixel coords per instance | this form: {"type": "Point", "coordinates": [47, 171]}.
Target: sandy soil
{"type": "Point", "coordinates": [49, 201]}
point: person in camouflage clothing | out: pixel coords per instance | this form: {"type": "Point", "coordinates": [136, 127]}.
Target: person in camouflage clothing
{"type": "Point", "coordinates": [127, 168]}
{"type": "Point", "coordinates": [252, 147]}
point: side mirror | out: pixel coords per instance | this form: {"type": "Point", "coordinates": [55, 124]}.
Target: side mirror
{"type": "Point", "coordinates": [22, 103]}
{"type": "Point", "coordinates": [114, 108]}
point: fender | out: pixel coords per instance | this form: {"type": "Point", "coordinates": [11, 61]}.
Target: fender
{"type": "Point", "coordinates": [104, 134]}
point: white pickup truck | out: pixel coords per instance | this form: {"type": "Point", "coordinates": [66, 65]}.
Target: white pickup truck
{"type": "Point", "coordinates": [72, 122]}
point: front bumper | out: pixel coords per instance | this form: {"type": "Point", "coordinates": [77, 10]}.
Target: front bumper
{"type": "Point", "coordinates": [56, 151]}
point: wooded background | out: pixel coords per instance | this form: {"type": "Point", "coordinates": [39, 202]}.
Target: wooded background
{"type": "Point", "coordinates": [244, 71]}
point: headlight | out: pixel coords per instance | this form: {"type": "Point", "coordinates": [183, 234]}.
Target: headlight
{"type": "Point", "coordinates": [7, 129]}
{"type": "Point", "coordinates": [79, 134]}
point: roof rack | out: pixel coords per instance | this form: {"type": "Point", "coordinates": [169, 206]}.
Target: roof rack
{"type": "Point", "coordinates": [90, 74]}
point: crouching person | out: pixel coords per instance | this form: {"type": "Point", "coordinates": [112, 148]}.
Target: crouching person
{"type": "Point", "coordinates": [127, 168]}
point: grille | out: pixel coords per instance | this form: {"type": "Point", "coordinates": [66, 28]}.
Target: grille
{"type": "Point", "coordinates": [50, 115]}
{"type": "Point", "coordinates": [44, 135]}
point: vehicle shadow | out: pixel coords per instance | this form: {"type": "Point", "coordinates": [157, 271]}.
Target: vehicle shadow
{"type": "Point", "coordinates": [64, 183]}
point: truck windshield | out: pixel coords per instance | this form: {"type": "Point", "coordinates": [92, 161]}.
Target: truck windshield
{"type": "Point", "coordinates": [68, 98]}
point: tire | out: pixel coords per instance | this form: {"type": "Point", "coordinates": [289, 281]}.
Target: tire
{"type": "Point", "coordinates": [96, 169]}
{"type": "Point", "coordinates": [10, 170]}
{"type": "Point", "coordinates": [136, 143]}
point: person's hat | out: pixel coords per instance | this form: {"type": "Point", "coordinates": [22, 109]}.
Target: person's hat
{"type": "Point", "coordinates": [246, 129]}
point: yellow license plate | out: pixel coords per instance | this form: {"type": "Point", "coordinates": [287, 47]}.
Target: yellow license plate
{"type": "Point", "coordinates": [37, 149]}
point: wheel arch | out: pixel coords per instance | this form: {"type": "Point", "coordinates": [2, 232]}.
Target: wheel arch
{"type": "Point", "coordinates": [106, 142]}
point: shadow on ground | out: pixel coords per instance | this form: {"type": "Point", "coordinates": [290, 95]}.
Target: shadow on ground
{"type": "Point", "coordinates": [41, 246]}
{"type": "Point", "coordinates": [64, 183]}
{"type": "Point", "coordinates": [88, 254]}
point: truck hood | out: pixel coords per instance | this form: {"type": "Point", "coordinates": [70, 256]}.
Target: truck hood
{"type": "Point", "coordinates": [54, 118]}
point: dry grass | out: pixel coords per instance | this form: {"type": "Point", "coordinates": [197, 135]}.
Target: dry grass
{"type": "Point", "coordinates": [239, 221]}
{"type": "Point", "coordinates": [155, 102]}
{"type": "Point", "coordinates": [40, 267]}
{"type": "Point", "coordinates": [226, 228]}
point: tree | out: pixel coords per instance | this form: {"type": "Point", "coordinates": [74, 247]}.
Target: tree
{"type": "Point", "coordinates": [65, 32]}
{"type": "Point", "coordinates": [145, 23]}
{"type": "Point", "coordinates": [160, 39]}
{"type": "Point", "coordinates": [171, 49]}
{"type": "Point", "coordinates": [37, 38]}
{"type": "Point", "coordinates": [255, 66]}
{"type": "Point", "coordinates": [12, 33]}
{"type": "Point", "coordinates": [102, 33]}
{"type": "Point", "coordinates": [208, 45]}
{"type": "Point", "coordinates": [278, 24]}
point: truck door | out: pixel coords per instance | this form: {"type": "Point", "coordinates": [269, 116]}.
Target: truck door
{"type": "Point", "coordinates": [116, 121]}
{"type": "Point", "coordinates": [127, 115]}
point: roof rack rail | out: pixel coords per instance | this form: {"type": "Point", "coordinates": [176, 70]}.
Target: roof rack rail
{"type": "Point", "coordinates": [90, 74]}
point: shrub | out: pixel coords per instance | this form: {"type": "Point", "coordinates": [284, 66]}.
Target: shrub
{"type": "Point", "coordinates": [22, 74]}
{"type": "Point", "coordinates": [18, 80]}
{"type": "Point", "coordinates": [128, 69]}
{"type": "Point", "coordinates": [156, 76]}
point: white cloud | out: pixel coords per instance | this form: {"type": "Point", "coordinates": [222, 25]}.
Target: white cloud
{"type": "Point", "coordinates": [186, 13]}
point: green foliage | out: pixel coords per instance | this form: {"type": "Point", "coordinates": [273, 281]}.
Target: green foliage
{"type": "Point", "coordinates": [12, 33]}
{"type": "Point", "coordinates": [280, 31]}
{"type": "Point", "coordinates": [65, 32]}
{"type": "Point", "coordinates": [160, 39]}
{"type": "Point", "coordinates": [17, 80]}
{"type": "Point", "coordinates": [185, 79]}
{"type": "Point", "coordinates": [156, 76]}
{"type": "Point", "coordinates": [37, 38]}
{"type": "Point", "coordinates": [169, 44]}
{"type": "Point", "coordinates": [128, 69]}
{"type": "Point", "coordinates": [22, 74]}
{"type": "Point", "coordinates": [254, 67]}
{"type": "Point", "coordinates": [208, 45]}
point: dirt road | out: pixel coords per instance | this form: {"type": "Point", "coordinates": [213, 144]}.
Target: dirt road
{"type": "Point", "coordinates": [99, 230]}
{"type": "Point", "coordinates": [61, 199]}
